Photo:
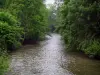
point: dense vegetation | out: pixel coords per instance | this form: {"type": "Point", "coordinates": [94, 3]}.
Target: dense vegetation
{"type": "Point", "coordinates": [20, 20]}
{"type": "Point", "coordinates": [79, 24]}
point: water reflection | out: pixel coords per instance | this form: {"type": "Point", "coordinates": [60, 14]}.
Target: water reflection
{"type": "Point", "coordinates": [82, 65]}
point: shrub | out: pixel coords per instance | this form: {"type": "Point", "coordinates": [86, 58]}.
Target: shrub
{"type": "Point", "coordinates": [10, 32]}
{"type": "Point", "coordinates": [3, 64]}
{"type": "Point", "coordinates": [90, 47]}
{"type": "Point", "coordinates": [93, 49]}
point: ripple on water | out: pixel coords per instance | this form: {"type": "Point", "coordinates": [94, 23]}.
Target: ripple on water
{"type": "Point", "coordinates": [49, 58]}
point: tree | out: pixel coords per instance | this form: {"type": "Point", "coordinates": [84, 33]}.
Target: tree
{"type": "Point", "coordinates": [32, 16]}
{"type": "Point", "coordinates": [80, 25]}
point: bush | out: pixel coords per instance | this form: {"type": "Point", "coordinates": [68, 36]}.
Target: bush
{"type": "Point", "coordinates": [90, 47]}
{"type": "Point", "coordinates": [93, 49]}
{"type": "Point", "coordinates": [3, 64]}
{"type": "Point", "coordinates": [10, 33]}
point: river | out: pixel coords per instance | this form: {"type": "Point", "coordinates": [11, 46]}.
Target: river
{"type": "Point", "coordinates": [50, 58]}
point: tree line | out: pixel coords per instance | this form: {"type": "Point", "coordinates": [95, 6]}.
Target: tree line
{"type": "Point", "coordinates": [79, 23]}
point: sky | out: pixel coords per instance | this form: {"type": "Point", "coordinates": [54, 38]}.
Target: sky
{"type": "Point", "coordinates": [50, 1]}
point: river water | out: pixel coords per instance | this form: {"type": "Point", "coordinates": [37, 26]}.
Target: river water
{"type": "Point", "coordinates": [50, 58]}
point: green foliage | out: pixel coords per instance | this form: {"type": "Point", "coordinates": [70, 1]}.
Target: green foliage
{"type": "Point", "coordinates": [32, 16]}
{"type": "Point", "coordinates": [80, 25]}
{"type": "Point", "coordinates": [8, 18]}
{"type": "Point", "coordinates": [93, 48]}
{"type": "Point", "coordinates": [10, 33]}
{"type": "Point", "coordinates": [3, 64]}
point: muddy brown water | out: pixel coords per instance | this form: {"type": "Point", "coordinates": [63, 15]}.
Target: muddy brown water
{"type": "Point", "coordinates": [50, 58]}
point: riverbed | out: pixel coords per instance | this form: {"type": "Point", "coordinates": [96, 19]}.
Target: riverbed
{"type": "Point", "coordinates": [49, 57]}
